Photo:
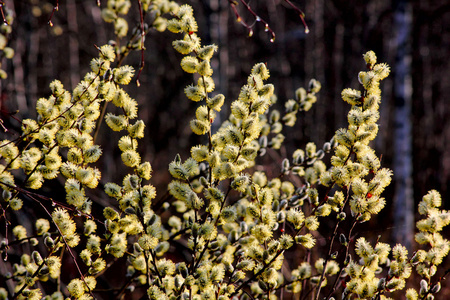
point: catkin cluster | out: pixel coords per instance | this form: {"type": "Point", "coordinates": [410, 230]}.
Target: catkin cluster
{"type": "Point", "coordinates": [355, 166]}
{"type": "Point", "coordinates": [61, 141]}
{"type": "Point", "coordinates": [426, 262]}
{"type": "Point", "coordinates": [114, 12]}
{"type": "Point", "coordinates": [196, 61]}
{"type": "Point", "coordinates": [273, 121]}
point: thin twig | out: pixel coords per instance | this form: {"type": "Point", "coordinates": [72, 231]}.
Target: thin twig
{"type": "Point", "coordinates": [65, 242]}
{"type": "Point", "coordinates": [2, 3]}
{"type": "Point", "coordinates": [257, 19]}
{"type": "Point", "coordinates": [55, 8]}
{"type": "Point", "coordinates": [301, 14]}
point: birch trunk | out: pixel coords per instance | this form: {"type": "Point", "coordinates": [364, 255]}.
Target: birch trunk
{"type": "Point", "coordinates": [402, 164]}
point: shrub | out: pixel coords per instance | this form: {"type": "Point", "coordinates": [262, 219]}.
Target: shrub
{"type": "Point", "coordinates": [238, 227]}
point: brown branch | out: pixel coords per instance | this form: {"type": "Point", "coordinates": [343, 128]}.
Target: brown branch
{"type": "Point", "coordinates": [55, 8]}
{"type": "Point", "coordinates": [257, 19]}
{"type": "Point", "coordinates": [301, 14]}
{"type": "Point", "coordinates": [2, 3]}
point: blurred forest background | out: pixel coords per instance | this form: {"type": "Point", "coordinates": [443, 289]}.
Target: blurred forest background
{"type": "Point", "coordinates": [412, 37]}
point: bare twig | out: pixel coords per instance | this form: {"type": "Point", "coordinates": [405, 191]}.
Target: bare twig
{"type": "Point", "coordinates": [257, 19]}
{"type": "Point", "coordinates": [301, 14]}
{"type": "Point", "coordinates": [3, 13]}
{"type": "Point", "coordinates": [55, 8]}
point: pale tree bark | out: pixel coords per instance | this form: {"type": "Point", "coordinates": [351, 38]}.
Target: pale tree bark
{"type": "Point", "coordinates": [218, 33]}
{"type": "Point", "coordinates": [402, 164]}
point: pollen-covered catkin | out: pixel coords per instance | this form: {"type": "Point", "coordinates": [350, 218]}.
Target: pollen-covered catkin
{"type": "Point", "coordinates": [233, 216]}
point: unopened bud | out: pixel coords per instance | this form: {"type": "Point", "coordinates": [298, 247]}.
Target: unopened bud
{"type": "Point", "coordinates": [130, 211]}
{"type": "Point", "coordinates": [44, 271]}
{"type": "Point", "coordinates": [436, 288]}
{"type": "Point", "coordinates": [285, 166]}
{"type": "Point", "coordinates": [343, 239]}
{"type": "Point", "coordinates": [342, 216]}
{"type": "Point", "coordinates": [423, 287]}
{"type": "Point", "coordinates": [262, 285]}
{"type": "Point", "coordinates": [49, 242]}
{"type": "Point", "coordinates": [281, 216]}
{"type": "Point", "coordinates": [381, 284]}
{"type": "Point", "coordinates": [282, 205]}
{"type": "Point", "coordinates": [243, 226]}
{"type": "Point", "coordinates": [37, 258]}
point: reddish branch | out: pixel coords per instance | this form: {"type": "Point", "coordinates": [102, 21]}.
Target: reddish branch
{"type": "Point", "coordinates": [55, 8]}
{"type": "Point", "coordinates": [234, 3]}
{"type": "Point", "coordinates": [301, 14]}
{"type": "Point", "coordinates": [257, 19]}
{"type": "Point", "coordinates": [3, 13]}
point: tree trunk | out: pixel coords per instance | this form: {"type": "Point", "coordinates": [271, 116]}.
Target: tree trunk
{"type": "Point", "coordinates": [403, 198]}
